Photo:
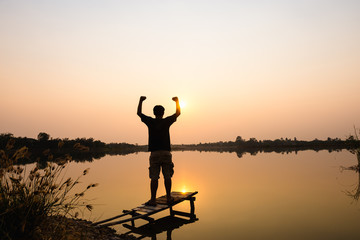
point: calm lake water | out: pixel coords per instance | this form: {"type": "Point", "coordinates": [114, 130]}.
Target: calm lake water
{"type": "Point", "coordinates": [267, 196]}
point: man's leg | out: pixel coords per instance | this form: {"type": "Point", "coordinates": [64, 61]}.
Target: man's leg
{"type": "Point", "coordinates": [153, 187]}
{"type": "Point", "coordinates": [154, 172]}
{"type": "Point", "coordinates": [168, 171]}
{"type": "Point", "coordinates": [167, 182]}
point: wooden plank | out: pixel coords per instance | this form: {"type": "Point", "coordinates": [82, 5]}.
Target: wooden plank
{"type": "Point", "coordinates": [125, 220]}
{"type": "Point", "coordinates": [184, 214]}
{"type": "Point", "coordinates": [140, 209]}
{"type": "Point", "coordinates": [157, 207]}
{"type": "Point", "coordinates": [109, 219]}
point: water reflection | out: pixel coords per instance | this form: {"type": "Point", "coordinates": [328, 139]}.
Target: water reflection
{"type": "Point", "coordinates": [355, 193]}
{"type": "Point", "coordinates": [166, 224]}
{"type": "Point", "coordinates": [37, 155]}
{"type": "Point", "coordinates": [267, 196]}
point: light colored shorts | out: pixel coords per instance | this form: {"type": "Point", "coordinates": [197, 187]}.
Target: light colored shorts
{"type": "Point", "coordinates": [163, 160]}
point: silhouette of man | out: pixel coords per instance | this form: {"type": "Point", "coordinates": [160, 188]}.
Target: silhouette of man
{"type": "Point", "coordinates": [159, 146]}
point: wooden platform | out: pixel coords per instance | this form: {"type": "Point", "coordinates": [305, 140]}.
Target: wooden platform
{"type": "Point", "coordinates": [144, 212]}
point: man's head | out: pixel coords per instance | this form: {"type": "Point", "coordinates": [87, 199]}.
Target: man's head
{"type": "Point", "coordinates": [159, 111]}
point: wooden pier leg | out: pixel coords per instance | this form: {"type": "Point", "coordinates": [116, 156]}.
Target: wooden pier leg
{"type": "Point", "coordinates": [192, 207]}
{"type": "Point", "coordinates": [132, 221]}
{"type": "Point", "coordinates": [172, 212]}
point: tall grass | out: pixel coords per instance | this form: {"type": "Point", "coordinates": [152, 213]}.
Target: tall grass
{"type": "Point", "coordinates": [29, 197]}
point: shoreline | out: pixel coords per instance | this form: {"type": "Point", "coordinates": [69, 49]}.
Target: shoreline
{"type": "Point", "coordinates": [70, 228]}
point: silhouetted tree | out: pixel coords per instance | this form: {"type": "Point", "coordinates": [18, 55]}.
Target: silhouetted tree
{"type": "Point", "coordinates": [43, 136]}
{"type": "Point", "coordinates": [253, 140]}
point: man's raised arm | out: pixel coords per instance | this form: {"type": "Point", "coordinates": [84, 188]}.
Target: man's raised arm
{"type": "Point", "coordinates": [177, 113]}
{"type": "Point", "coordinates": [139, 110]}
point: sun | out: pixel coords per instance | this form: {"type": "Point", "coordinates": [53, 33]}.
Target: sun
{"type": "Point", "coordinates": [182, 104]}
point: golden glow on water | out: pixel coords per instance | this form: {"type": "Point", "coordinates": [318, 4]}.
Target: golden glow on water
{"type": "Point", "coordinates": [267, 196]}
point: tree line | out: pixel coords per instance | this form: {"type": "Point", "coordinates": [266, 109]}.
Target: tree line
{"type": "Point", "coordinates": [254, 146]}
{"type": "Point", "coordinates": [45, 148]}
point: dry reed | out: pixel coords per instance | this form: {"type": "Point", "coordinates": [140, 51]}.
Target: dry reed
{"type": "Point", "coordinates": [28, 198]}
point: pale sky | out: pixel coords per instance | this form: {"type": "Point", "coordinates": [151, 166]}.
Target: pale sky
{"type": "Point", "coordinates": [263, 69]}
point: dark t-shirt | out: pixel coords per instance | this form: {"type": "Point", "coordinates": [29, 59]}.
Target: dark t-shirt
{"type": "Point", "coordinates": [159, 136]}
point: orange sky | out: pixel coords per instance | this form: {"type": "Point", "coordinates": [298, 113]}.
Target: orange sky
{"type": "Point", "coordinates": [263, 69]}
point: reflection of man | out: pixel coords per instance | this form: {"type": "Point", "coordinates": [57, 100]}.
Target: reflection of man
{"type": "Point", "coordinates": [159, 146]}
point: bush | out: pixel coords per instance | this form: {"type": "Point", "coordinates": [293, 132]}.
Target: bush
{"type": "Point", "coordinates": [28, 198]}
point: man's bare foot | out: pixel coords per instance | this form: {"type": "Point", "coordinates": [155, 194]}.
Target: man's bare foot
{"type": "Point", "coordinates": [151, 203]}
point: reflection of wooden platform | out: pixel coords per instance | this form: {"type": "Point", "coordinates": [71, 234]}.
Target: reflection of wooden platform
{"type": "Point", "coordinates": [165, 224]}
{"type": "Point", "coordinates": [144, 212]}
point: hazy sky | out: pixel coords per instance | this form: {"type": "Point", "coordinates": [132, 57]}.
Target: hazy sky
{"type": "Point", "coordinates": [263, 69]}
